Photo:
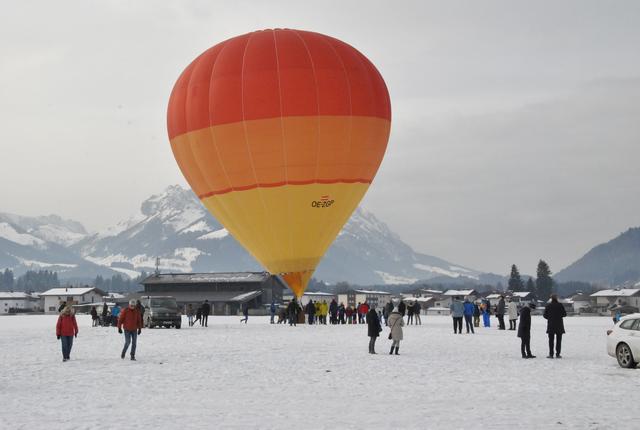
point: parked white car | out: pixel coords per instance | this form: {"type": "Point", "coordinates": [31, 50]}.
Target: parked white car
{"type": "Point", "coordinates": [623, 341]}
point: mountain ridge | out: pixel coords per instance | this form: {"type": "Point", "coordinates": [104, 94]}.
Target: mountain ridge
{"type": "Point", "coordinates": [174, 226]}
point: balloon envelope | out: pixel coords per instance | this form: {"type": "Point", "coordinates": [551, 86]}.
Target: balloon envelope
{"type": "Point", "coordinates": [280, 133]}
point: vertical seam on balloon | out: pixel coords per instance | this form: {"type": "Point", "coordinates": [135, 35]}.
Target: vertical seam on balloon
{"type": "Point", "coordinates": [284, 146]}
{"type": "Point", "coordinates": [246, 140]}
{"type": "Point", "coordinates": [315, 81]}
{"type": "Point", "coordinates": [183, 112]}
{"type": "Point", "coordinates": [361, 59]}
{"type": "Point", "coordinates": [284, 140]}
{"type": "Point", "coordinates": [346, 78]}
{"type": "Point", "coordinates": [215, 140]}
{"type": "Point", "coordinates": [351, 191]}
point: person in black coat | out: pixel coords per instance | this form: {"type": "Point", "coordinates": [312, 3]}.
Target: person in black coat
{"type": "Point", "coordinates": [373, 328]}
{"type": "Point", "coordinates": [402, 308]}
{"type": "Point", "coordinates": [554, 313]}
{"type": "Point", "coordinates": [311, 311]}
{"type": "Point", "coordinates": [292, 312]}
{"type": "Point", "coordinates": [500, 313]}
{"type": "Point", "coordinates": [524, 331]}
{"type": "Point", "coordinates": [206, 309]}
{"type": "Point", "coordinates": [333, 310]}
{"type": "Point", "coordinates": [245, 312]}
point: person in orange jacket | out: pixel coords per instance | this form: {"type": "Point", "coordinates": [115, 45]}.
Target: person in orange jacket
{"type": "Point", "coordinates": [66, 330]}
{"type": "Point", "coordinates": [131, 319]}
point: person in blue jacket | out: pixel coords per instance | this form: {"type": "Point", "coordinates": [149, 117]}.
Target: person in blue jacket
{"type": "Point", "coordinates": [272, 310]}
{"type": "Point", "coordinates": [115, 313]}
{"type": "Point", "coordinates": [486, 312]}
{"type": "Point", "coordinates": [468, 314]}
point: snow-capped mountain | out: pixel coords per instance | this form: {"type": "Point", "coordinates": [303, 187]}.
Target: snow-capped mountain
{"type": "Point", "coordinates": [176, 228]}
{"type": "Point", "coordinates": [43, 243]}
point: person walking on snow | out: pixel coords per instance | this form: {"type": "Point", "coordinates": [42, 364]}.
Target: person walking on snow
{"type": "Point", "coordinates": [189, 312]}
{"type": "Point", "coordinates": [131, 320]}
{"type": "Point", "coordinates": [512, 311]}
{"type": "Point", "coordinates": [500, 313]}
{"type": "Point", "coordinates": [373, 328]}
{"type": "Point", "coordinates": [396, 322]}
{"type": "Point", "coordinates": [457, 311]}
{"type": "Point", "coordinates": [245, 313]}
{"type": "Point", "coordinates": [554, 313]}
{"type": "Point", "coordinates": [198, 316]}
{"type": "Point", "coordinates": [468, 313]}
{"type": "Point", "coordinates": [66, 330]}
{"type": "Point", "coordinates": [524, 332]}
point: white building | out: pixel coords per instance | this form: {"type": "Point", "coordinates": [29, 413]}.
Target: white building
{"type": "Point", "coordinates": [75, 296]}
{"type": "Point", "coordinates": [445, 300]}
{"type": "Point", "coordinates": [352, 298]}
{"type": "Point", "coordinates": [10, 302]}
{"type": "Point", "coordinates": [581, 303]}
{"type": "Point", "coordinates": [620, 296]}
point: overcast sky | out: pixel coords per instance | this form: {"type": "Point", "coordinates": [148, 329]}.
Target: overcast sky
{"type": "Point", "coordinates": [516, 125]}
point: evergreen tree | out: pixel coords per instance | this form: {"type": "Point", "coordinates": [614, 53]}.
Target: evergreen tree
{"type": "Point", "coordinates": [531, 287]}
{"type": "Point", "coordinates": [544, 283]}
{"type": "Point", "coordinates": [515, 282]}
{"type": "Point", "coordinates": [6, 280]}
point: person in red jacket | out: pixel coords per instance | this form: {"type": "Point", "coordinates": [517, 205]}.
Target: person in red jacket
{"type": "Point", "coordinates": [131, 320]}
{"type": "Point", "coordinates": [66, 330]}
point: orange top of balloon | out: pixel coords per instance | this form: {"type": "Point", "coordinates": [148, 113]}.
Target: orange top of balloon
{"type": "Point", "coordinates": [279, 133]}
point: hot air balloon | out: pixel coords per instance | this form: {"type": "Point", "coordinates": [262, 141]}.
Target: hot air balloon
{"type": "Point", "coordinates": [280, 133]}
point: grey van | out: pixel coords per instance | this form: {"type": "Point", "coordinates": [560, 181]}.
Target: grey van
{"type": "Point", "coordinates": [161, 311]}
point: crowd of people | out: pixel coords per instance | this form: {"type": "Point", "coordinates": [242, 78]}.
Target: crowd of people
{"type": "Point", "coordinates": [554, 313]}
{"type": "Point", "coordinates": [129, 320]}
{"type": "Point", "coordinates": [317, 313]}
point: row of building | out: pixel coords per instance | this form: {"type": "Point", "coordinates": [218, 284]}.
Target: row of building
{"type": "Point", "coordinates": [227, 292]}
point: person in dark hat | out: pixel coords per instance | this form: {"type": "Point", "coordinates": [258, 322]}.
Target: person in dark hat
{"type": "Point", "coordinates": [524, 331]}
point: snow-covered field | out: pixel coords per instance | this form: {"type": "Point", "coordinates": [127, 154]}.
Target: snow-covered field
{"type": "Point", "coordinates": [232, 375]}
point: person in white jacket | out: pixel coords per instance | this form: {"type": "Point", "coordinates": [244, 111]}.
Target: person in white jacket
{"type": "Point", "coordinates": [396, 322]}
{"type": "Point", "coordinates": [512, 311]}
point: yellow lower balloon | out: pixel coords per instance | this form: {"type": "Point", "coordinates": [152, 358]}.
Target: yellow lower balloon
{"type": "Point", "coordinates": [288, 228]}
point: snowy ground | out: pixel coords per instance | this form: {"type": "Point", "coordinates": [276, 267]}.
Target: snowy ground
{"type": "Point", "coordinates": [232, 375]}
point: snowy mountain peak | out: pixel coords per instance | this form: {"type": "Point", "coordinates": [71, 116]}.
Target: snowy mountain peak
{"type": "Point", "coordinates": [50, 228]}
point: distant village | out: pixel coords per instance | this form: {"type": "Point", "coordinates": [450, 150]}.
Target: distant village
{"type": "Point", "coordinates": [229, 292]}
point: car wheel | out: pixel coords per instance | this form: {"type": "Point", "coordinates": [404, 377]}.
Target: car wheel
{"type": "Point", "coordinates": [178, 326]}
{"type": "Point", "coordinates": [624, 356]}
